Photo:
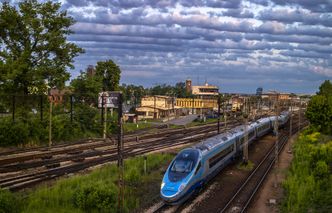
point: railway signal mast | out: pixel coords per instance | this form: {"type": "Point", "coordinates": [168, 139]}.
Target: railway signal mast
{"type": "Point", "coordinates": [120, 154]}
{"type": "Point", "coordinates": [245, 148]}
{"type": "Point", "coordinates": [276, 108]}
{"type": "Point", "coordinates": [114, 100]}
{"type": "Point", "coordinates": [299, 115]}
{"type": "Point", "coordinates": [219, 102]}
{"type": "Point", "coordinates": [291, 120]}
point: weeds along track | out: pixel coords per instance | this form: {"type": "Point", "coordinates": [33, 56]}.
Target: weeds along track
{"type": "Point", "coordinates": [243, 196]}
{"type": "Point", "coordinates": [46, 152]}
{"type": "Point", "coordinates": [78, 142]}
{"type": "Point", "coordinates": [26, 174]}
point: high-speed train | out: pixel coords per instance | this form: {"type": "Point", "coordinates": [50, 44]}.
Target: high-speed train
{"type": "Point", "coordinates": [193, 167]}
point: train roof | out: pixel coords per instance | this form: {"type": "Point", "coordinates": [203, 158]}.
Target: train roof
{"type": "Point", "coordinates": [226, 137]}
{"type": "Point", "coordinates": [263, 120]}
{"type": "Point", "coordinates": [223, 138]}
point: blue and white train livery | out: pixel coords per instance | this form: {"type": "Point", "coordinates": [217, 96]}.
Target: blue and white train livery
{"type": "Point", "coordinates": [194, 166]}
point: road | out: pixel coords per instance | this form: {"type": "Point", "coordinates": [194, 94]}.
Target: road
{"type": "Point", "coordinates": [183, 120]}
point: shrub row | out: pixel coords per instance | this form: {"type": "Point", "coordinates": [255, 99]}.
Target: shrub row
{"type": "Point", "coordinates": [309, 183]}
{"type": "Point", "coordinates": [95, 192]}
{"type": "Point", "coordinates": [29, 129]}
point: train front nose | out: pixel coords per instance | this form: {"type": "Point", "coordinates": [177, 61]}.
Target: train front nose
{"type": "Point", "coordinates": [171, 192]}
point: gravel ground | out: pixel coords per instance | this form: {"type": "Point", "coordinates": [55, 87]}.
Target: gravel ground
{"type": "Point", "coordinates": [272, 190]}
{"type": "Point", "coordinates": [225, 184]}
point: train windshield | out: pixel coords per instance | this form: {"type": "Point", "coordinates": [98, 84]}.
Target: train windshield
{"type": "Point", "coordinates": [183, 164]}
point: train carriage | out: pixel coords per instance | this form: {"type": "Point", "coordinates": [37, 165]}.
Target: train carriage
{"type": "Point", "coordinates": [194, 166]}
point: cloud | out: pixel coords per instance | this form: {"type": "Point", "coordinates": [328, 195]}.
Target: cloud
{"type": "Point", "coordinates": [299, 15]}
{"type": "Point", "coordinates": [241, 43]}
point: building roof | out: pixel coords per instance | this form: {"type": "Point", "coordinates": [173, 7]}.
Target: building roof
{"type": "Point", "coordinates": [143, 108]}
{"type": "Point", "coordinates": [157, 96]}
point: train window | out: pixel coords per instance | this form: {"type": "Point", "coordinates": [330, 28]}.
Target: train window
{"type": "Point", "coordinates": [182, 166]}
{"type": "Point", "coordinates": [242, 140]}
{"type": "Point", "coordinates": [198, 167]}
{"type": "Point", "coordinates": [251, 134]}
{"type": "Point", "coordinates": [218, 157]}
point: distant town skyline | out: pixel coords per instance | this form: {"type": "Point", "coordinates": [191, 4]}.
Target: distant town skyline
{"type": "Point", "coordinates": [238, 45]}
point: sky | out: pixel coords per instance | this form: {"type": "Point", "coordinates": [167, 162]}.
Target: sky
{"type": "Point", "coordinates": [238, 45]}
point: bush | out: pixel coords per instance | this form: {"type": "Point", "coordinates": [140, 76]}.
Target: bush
{"type": "Point", "coordinates": [309, 182]}
{"type": "Point", "coordinates": [8, 203]}
{"type": "Point", "coordinates": [29, 129]}
{"type": "Point", "coordinates": [100, 197]}
{"type": "Point", "coordinates": [13, 133]}
{"type": "Point", "coordinates": [133, 176]}
{"type": "Point", "coordinates": [88, 118]}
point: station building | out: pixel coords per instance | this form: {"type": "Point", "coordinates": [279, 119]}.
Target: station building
{"type": "Point", "coordinates": [155, 107]}
{"type": "Point", "coordinates": [204, 98]}
{"type": "Point", "coordinates": [205, 91]}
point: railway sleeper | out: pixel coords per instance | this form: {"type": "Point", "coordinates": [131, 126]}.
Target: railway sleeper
{"type": "Point", "coordinates": [52, 165]}
{"type": "Point", "coordinates": [46, 157]}
{"type": "Point", "coordinates": [78, 159]}
{"type": "Point", "coordinates": [75, 152]}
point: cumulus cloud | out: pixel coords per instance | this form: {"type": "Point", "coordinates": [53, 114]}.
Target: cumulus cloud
{"type": "Point", "coordinates": [241, 43]}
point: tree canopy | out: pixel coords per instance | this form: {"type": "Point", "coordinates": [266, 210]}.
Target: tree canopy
{"type": "Point", "coordinates": [104, 77]}
{"type": "Point", "coordinates": [319, 110]}
{"type": "Point", "coordinates": [325, 88]}
{"type": "Point", "coordinates": [34, 51]}
{"type": "Point", "coordinates": [110, 73]}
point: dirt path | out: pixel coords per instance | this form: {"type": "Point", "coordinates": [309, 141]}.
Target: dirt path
{"type": "Point", "coordinates": [269, 196]}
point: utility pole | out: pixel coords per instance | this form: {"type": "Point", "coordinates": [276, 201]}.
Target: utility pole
{"type": "Point", "coordinates": [290, 120]}
{"type": "Point", "coordinates": [218, 114]}
{"type": "Point", "coordinates": [105, 118]}
{"type": "Point", "coordinates": [120, 155]}
{"type": "Point", "coordinates": [50, 125]}
{"type": "Point", "coordinates": [276, 128]}
{"type": "Point", "coordinates": [300, 115]}
{"type": "Point", "coordinates": [226, 105]}
{"type": "Point", "coordinates": [290, 126]}
{"type": "Point", "coordinates": [245, 148]}
{"type": "Point", "coordinates": [192, 109]}
{"type": "Point", "coordinates": [154, 108]}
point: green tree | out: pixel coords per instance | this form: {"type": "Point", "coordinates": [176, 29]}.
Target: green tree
{"type": "Point", "coordinates": [110, 73]}
{"type": "Point", "coordinates": [132, 93]}
{"type": "Point", "coordinates": [86, 87]}
{"type": "Point", "coordinates": [325, 89]}
{"type": "Point", "coordinates": [34, 48]}
{"type": "Point", "coordinates": [319, 110]}
{"type": "Point", "coordinates": [181, 91]}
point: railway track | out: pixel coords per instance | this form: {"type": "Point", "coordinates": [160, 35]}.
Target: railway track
{"type": "Point", "coordinates": [45, 152]}
{"type": "Point", "coordinates": [241, 199]}
{"type": "Point", "coordinates": [90, 159]}
{"type": "Point", "coordinates": [243, 196]}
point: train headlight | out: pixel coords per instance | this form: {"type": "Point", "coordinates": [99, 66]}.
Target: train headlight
{"type": "Point", "coordinates": [162, 185]}
{"type": "Point", "coordinates": [182, 186]}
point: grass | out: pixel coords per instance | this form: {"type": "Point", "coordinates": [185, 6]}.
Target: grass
{"type": "Point", "coordinates": [130, 127]}
{"type": "Point", "coordinates": [246, 167]}
{"type": "Point", "coordinates": [98, 190]}
{"type": "Point", "coordinates": [198, 122]}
